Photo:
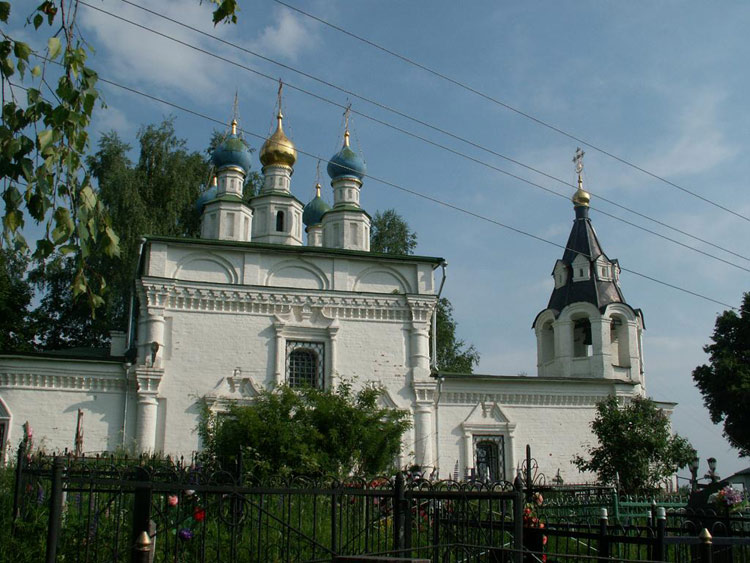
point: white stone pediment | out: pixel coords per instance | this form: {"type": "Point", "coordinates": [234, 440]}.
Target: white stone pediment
{"type": "Point", "coordinates": [486, 412]}
{"type": "Point", "coordinates": [305, 315]}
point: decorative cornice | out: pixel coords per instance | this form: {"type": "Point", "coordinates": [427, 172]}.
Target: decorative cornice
{"type": "Point", "coordinates": [178, 296]}
{"type": "Point", "coordinates": [62, 382]}
{"type": "Point", "coordinates": [521, 399]}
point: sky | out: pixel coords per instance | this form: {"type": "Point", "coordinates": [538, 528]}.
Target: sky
{"type": "Point", "coordinates": [657, 86]}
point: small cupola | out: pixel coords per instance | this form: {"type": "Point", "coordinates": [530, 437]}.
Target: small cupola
{"type": "Point", "coordinates": [346, 163]}
{"type": "Point", "coordinates": [233, 152]}
{"type": "Point", "coordinates": [278, 150]}
{"type": "Point", "coordinates": [314, 211]}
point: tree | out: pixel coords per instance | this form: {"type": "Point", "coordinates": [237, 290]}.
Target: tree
{"type": "Point", "coordinates": [390, 234]}
{"type": "Point", "coordinates": [43, 142]}
{"type": "Point", "coordinates": [725, 381]}
{"type": "Point", "coordinates": [292, 432]}
{"type": "Point", "coordinates": [453, 355]}
{"type": "Point", "coordinates": [636, 447]}
{"type": "Point", "coordinates": [15, 297]}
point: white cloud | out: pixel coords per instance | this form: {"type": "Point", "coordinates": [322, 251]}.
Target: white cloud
{"type": "Point", "coordinates": [287, 37]}
{"type": "Point", "coordinates": [700, 145]}
{"type": "Point", "coordinates": [137, 56]}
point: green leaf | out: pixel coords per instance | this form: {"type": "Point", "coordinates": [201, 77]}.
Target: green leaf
{"type": "Point", "coordinates": [54, 47]}
{"type": "Point", "coordinates": [4, 11]}
{"type": "Point", "coordinates": [36, 71]}
{"type": "Point", "coordinates": [64, 226]}
{"type": "Point", "coordinates": [45, 138]}
{"type": "Point", "coordinates": [21, 50]}
{"type": "Point", "coordinates": [38, 20]}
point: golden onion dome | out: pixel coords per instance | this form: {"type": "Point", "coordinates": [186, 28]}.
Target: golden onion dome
{"type": "Point", "coordinates": [278, 149]}
{"type": "Point", "coordinates": [581, 198]}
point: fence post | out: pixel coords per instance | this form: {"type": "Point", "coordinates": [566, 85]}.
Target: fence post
{"type": "Point", "coordinates": [142, 550]}
{"type": "Point", "coordinates": [398, 512]}
{"type": "Point", "coordinates": [518, 524]}
{"type": "Point", "coordinates": [603, 537]}
{"type": "Point", "coordinates": [334, 528]}
{"type": "Point", "coordinates": [19, 486]}
{"type": "Point", "coordinates": [529, 488]}
{"type": "Point", "coordinates": [706, 546]}
{"type": "Point", "coordinates": [55, 510]}
{"type": "Point", "coordinates": [660, 553]}
{"type": "Point", "coordinates": [141, 512]}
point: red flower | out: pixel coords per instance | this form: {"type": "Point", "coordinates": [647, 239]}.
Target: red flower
{"type": "Point", "coordinates": [199, 514]}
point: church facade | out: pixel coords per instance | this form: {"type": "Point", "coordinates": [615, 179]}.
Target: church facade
{"type": "Point", "coordinates": [249, 306]}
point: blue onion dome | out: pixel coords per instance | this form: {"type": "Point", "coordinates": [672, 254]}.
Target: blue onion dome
{"type": "Point", "coordinates": [232, 152]}
{"type": "Point", "coordinates": [346, 162]}
{"type": "Point", "coordinates": [206, 196]}
{"type": "Point", "coordinates": [313, 212]}
{"type": "Point", "coordinates": [278, 149]}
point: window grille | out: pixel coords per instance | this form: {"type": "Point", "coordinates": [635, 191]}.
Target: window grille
{"type": "Point", "coordinates": [489, 452]}
{"type": "Point", "coordinates": [304, 364]}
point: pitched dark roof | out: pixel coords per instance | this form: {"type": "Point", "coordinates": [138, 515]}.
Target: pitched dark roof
{"type": "Point", "coordinates": [583, 241]}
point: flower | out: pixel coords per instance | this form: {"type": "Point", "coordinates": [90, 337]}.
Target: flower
{"type": "Point", "coordinates": [199, 514]}
{"type": "Point", "coordinates": [189, 493]}
{"type": "Point", "coordinates": [172, 500]}
{"type": "Point", "coordinates": [185, 534]}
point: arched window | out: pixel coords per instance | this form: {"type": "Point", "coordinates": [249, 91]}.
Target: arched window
{"type": "Point", "coordinates": [280, 221]}
{"type": "Point", "coordinates": [4, 429]}
{"type": "Point", "coordinates": [582, 338]}
{"type": "Point", "coordinates": [304, 364]}
{"type": "Point", "coordinates": [489, 452]}
{"type": "Point", "coordinates": [548, 342]}
{"type": "Point", "coordinates": [619, 342]}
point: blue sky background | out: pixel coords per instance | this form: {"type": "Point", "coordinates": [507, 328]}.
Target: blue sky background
{"type": "Point", "coordinates": [663, 85]}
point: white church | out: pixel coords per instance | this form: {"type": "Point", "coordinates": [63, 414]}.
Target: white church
{"type": "Point", "coordinates": [254, 303]}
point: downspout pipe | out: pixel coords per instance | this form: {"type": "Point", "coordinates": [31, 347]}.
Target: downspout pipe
{"type": "Point", "coordinates": [433, 359]}
{"type": "Point", "coordinates": [129, 343]}
{"type": "Point", "coordinates": [434, 370]}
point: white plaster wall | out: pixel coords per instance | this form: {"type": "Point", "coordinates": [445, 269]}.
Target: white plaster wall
{"type": "Point", "coordinates": [48, 395]}
{"type": "Point", "coordinates": [248, 266]}
{"type": "Point", "coordinates": [553, 416]}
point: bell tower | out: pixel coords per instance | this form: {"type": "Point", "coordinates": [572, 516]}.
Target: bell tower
{"type": "Point", "coordinates": [588, 329]}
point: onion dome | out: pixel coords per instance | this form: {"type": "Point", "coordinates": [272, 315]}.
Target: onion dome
{"type": "Point", "coordinates": [233, 151]}
{"type": "Point", "coordinates": [346, 162]}
{"type": "Point", "coordinates": [206, 196]}
{"type": "Point", "coordinates": [313, 212]}
{"type": "Point", "coordinates": [278, 149]}
{"type": "Point", "coordinates": [581, 198]}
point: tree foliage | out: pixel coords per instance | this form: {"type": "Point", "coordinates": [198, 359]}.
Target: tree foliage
{"type": "Point", "coordinates": [43, 144]}
{"type": "Point", "coordinates": [635, 446]}
{"type": "Point", "coordinates": [44, 139]}
{"type": "Point", "coordinates": [390, 234]}
{"type": "Point", "coordinates": [15, 298]}
{"type": "Point", "coordinates": [725, 381]}
{"type": "Point", "coordinates": [291, 432]}
{"type": "Point", "coordinates": [453, 354]}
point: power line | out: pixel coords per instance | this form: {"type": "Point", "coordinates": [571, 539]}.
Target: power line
{"type": "Point", "coordinates": [511, 108]}
{"type": "Point", "coordinates": [435, 128]}
{"type": "Point", "coordinates": [419, 137]}
{"type": "Point", "coordinates": [413, 192]}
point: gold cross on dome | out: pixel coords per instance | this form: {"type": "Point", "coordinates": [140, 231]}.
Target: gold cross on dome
{"type": "Point", "coordinates": [578, 160]}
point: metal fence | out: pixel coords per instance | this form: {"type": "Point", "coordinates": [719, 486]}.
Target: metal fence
{"type": "Point", "coordinates": [97, 512]}
{"type": "Point", "coordinates": [110, 510]}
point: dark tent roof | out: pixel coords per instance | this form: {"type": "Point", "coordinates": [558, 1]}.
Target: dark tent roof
{"type": "Point", "coordinates": [583, 241]}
